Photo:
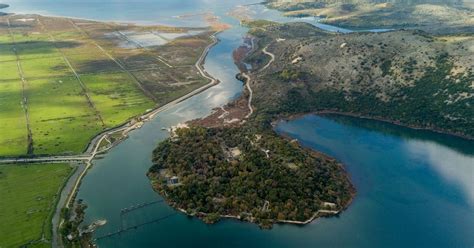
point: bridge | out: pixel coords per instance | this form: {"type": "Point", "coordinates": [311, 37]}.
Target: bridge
{"type": "Point", "coordinates": [125, 211]}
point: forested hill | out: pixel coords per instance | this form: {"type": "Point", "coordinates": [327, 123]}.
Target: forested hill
{"type": "Point", "coordinates": [406, 77]}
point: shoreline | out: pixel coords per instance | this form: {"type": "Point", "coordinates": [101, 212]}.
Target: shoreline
{"type": "Point", "coordinates": [375, 118]}
{"type": "Point", "coordinates": [320, 213]}
{"type": "Point", "coordinates": [357, 115]}
{"type": "Point", "coordinates": [122, 22]}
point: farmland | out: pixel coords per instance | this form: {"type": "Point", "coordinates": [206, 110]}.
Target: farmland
{"type": "Point", "coordinates": [62, 77]}
{"type": "Point", "coordinates": [28, 199]}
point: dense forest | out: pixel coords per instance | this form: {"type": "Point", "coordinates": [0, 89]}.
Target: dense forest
{"type": "Point", "coordinates": [250, 175]}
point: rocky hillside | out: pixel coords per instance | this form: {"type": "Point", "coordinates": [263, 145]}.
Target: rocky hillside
{"type": "Point", "coordinates": [407, 77]}
{"type": "Point", "coordinates": [435, 16]}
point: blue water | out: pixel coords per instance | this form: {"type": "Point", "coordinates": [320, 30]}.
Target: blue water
{"type": "Point", "coordinates": [414, 188]}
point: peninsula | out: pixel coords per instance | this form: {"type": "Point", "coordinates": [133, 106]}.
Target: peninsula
{"type": "Point", "coordinates": [232, 165]}
{"type": "Point", "coordinates": [251, 175]}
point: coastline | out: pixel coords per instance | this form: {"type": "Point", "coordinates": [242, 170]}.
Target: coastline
{"type": "Point", "coordinates": [374, 118]}
{"type": "Point", "coordinates": [318, 214]}
{"type": "Point", "coordinates": [200, 215]}
{"type": "Point", "coordinates": [122, 22]}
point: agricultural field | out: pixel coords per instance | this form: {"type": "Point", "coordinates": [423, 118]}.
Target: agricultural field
{"type": "Point", "coordinates": [28, 194]}
{"type": "Point", "coordinates": [62, 77]}
{"type": "Point", "coordinates": [115, 98]}
{"type": "Point", "coordinates": [58, 112]}
{"type": "Point", "coordinates": [13, 132]}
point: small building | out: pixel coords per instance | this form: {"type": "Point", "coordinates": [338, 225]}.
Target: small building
{"type": "Point", "coordinates": [173, 180]}
{"type": "Point", "coordinates": [329, 205]}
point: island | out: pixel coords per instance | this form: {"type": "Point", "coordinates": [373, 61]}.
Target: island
{"type": "Point", "coordinates": [232, 164]}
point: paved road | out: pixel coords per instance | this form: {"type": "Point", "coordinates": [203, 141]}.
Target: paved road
{"type": "Point", "coordinates": [64, 195]}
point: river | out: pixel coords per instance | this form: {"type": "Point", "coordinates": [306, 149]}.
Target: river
{"type": "Point", "coordinates": [414, 188]}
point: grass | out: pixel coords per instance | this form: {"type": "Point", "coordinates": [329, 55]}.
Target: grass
{"type": "Point", "coordinates": [28, 196]}
{"type": "Point", "coordinates": [180, 91]}
{"type": "Point", "coordinates": [116, 97]}
{"type": "Point", "coordinates": [13, 134]}
{"type": "Point", "coordinates": [9, 70]}
{"type": "Point", "coordinates": [67, 35]}
{"type": "Point", "coordinates": [59, 111]}
{"type": "Point", "coordinates": [37, 49]}
{"type": "Point", "coordinates": [7, 53]}
{"type": "Point", "coordinates": [25, 36]}
{"type": "Point", "coordinates": [92, 63]}
{"type": "Point", "coordinates": [44, 67]}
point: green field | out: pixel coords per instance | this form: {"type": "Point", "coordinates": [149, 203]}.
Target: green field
{"type": "Point", "coordinates": [59, 111]}
{"type": "Point", "coordinates": [28, 196]}
{"type": "Point", "coordinates": [58, 107]}
{"type": "Point", "coordinates": [13, 133]}
{"type": "Point", "coordinates": [116, 98]}
{"type": "Point", "coordinates": [6, 53]}
{"type": "Point", "coordinates": [9, 70]}
{"type": "Point", "coordinates": [44, 67]}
